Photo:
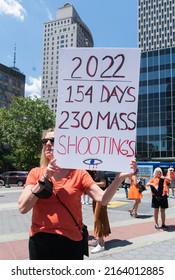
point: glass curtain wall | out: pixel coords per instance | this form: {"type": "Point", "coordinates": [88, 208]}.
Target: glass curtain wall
{"type": "Point", "coordinates": [156, 110]}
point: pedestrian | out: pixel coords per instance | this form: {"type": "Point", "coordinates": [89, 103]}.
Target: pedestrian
{"type": "Point", "coordinates": [134, 194]}
{"type": "Point", "coordinates": [101, 221]}
{"type": "Point", "coordinates": [159, 189]}
{"type": "Point", "coordinates": [85, 199]}
{"type": "Point", "coordinates": [126, 185]}
{"type": "Point", "coordinates": [54, 235]}
{"type": "Point", "coordinates": [171, 174]}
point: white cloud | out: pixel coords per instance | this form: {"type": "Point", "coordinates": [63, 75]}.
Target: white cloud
{"type": "Point", "coordinates": [13, 8]}
{"type": "Point", "coordinates": [42, 2]}
{"type": "Point", "coordinates": [33, 88]}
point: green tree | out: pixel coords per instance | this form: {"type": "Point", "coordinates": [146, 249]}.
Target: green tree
{"type": "Point", "coordinates": [21, 126]}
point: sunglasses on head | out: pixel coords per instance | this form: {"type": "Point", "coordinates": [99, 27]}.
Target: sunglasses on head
{"type": "Point", "coordinates": [45, 140]}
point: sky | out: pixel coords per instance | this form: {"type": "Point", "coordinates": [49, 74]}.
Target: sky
{"type": "Point", "coordinates": [113, 23]}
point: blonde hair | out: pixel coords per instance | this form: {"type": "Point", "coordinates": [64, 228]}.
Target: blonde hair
{"type": "Point", "coordinates": [156, 170]}
{"type": "Point", "coordinates": [44, 160]}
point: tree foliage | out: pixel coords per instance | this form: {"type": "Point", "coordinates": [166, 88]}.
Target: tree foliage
{"type": "Point", "coordinates": [21, 126]}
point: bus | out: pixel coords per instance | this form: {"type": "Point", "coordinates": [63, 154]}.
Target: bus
{"type": "Point", "coordinates": [146, 168]}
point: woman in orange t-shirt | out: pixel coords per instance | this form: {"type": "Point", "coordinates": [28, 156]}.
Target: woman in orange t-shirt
{"type": "Point", "coordinates": [159, 189]}
{"type": "Point", "coordinates": [135, 195]}
{"type": "Point", "coordinates": [54, 233]}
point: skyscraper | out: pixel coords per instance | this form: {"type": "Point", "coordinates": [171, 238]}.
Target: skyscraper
{"type": "Point", "coordinates": [156, 24]}
{"type": "Point", "coordinates": [68, 30]}
{"type": "Point", "coordinates": [156, 110]}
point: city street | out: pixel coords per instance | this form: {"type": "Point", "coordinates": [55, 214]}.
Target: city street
{"type": "Point", "coordinates": [128, 235]}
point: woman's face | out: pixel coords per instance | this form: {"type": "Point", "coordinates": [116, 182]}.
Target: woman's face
{"type": "Point", "coordinates": [158, 174]}
{"type": "Point", "coordinates": [48, 144]}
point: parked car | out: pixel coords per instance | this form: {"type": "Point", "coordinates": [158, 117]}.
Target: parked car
{"type": "Point", "coordinates": [110, 175]}
{"type": "Point", "coordinates": [13, 177]}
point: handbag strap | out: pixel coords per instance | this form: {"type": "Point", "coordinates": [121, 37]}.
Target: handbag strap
{"type": "Point", "coordinates": [66, 208]}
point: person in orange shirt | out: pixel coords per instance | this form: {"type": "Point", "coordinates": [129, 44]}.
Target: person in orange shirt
{"type": "Point", "coordinates": [159, 189]}
{"type": "Point", "coordinates": [134, 194]}
{"type": "Point", "coordinates": [54, 233]}
{"type": "Point", "coordinates": [171, 175]}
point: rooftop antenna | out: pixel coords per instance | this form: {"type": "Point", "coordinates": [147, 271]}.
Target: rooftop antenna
{"type": "Point", "coordinates": [14, 60]}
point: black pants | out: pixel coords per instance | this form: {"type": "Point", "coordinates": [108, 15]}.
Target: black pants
{"type": "Point", "coordinates": [48, 246]}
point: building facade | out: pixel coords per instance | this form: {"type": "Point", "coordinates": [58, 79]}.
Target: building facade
{"type": "Point", "coordinates": [156, 110]}
{"type": "Point", "coordinates": [156, 24]}
{"type": "Point", "coordinates": [12, 83]}
{"type": "Point", "coordinates": [67, 31]}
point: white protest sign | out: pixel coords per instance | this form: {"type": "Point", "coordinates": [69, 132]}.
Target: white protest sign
{"type": "Point", "coordinates": [97, 108]}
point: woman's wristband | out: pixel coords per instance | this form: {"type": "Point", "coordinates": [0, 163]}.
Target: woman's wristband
{"type": "Point", "coordinates": [41, 183]}
{"type": "Point", "coordinates": [46, 192]}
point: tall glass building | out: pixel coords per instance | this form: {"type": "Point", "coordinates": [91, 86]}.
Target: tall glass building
{"type": "Point", "coordinates": [156, 110]}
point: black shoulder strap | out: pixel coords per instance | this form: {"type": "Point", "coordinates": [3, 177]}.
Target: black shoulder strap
{"type": "Point", "coordinates": [160, 186]}
{"type": "Point", "coordinates": [66, 209]}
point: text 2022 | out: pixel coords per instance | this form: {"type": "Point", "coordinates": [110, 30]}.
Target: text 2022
{"type": "Point", "coordinates": [111, 69]}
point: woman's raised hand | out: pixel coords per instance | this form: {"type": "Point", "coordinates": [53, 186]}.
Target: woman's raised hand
{"type": "Point", "coordinates": [51, 169]}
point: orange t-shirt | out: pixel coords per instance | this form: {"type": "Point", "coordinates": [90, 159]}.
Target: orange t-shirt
{"type": "Point", "coordinates": [49, 215]}
{"type": "Point", "coordinates": [155, 181]}
{"type": "Point", "coordinates": [171, 175]}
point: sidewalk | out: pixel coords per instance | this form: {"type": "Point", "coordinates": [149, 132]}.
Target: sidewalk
{"type": "Point", "coordinates": [130, 238]}
{"type": "Point", "coordinates": [139, 241]}
{"type": "Point", "coordinates": [125, 242]}
{"type": "Point", "coordinates": [137, 238]}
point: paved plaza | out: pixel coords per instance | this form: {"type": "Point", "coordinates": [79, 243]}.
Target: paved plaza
{"type": "Point", "coordinates": [130, 238]}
